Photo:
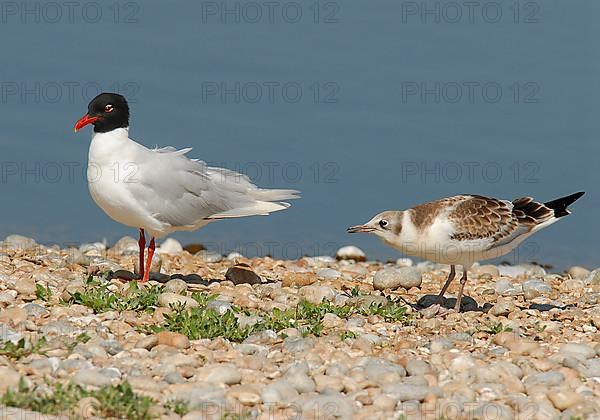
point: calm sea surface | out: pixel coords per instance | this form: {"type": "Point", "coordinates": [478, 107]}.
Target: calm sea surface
{"type": "Point", "coordinates": [363, 106]}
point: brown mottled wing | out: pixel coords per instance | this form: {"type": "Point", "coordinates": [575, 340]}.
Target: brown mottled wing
{"type": "Point", "coordinates": [477, 217]}
{"type": "Point", "coordinates": [531, 213]}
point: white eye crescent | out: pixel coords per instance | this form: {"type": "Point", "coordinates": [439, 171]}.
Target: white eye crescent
{"type": "Point", "coordinates": [383, 223]}
{"type": "Point", "coordinates": [108, 108]}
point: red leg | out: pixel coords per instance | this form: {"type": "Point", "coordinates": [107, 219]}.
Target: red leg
{"type": "Point", "coordinates": [149, 260]}
{"type": "Point", "coordinates": [142, 244]}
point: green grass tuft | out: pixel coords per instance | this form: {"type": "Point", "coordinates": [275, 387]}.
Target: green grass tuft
{"type": "Point", "coordinates": [113, 401]}
{"type": "Point", "coordinates": [22, 348]}
{"type": "Point", "coordinates": [99, 298]}
{"type": "Point", "coordinates": [204, 322]}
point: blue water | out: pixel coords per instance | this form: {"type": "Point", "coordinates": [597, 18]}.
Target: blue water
{"type": "Point", "coordinates": [363, 106]}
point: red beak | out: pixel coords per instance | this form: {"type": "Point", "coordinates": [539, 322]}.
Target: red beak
{"type": "Point", "coordinates": [84, 121]}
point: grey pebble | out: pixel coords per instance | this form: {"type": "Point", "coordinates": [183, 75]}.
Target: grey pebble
{"type": "Point", "coordinates": [409, 392]}
{"type": "Point", "coordinates": [278, 392]}
{"type": "Point", "coordinates": [298, 344]}
{"type": "Point", "coordinates": [551, 378]}
{"type": "Point", "coordinates": [36, 311]}
{"type": "Point", "coordinates": [535, 288]}
{"type": "Point", "coordinates": [395, 277]}
{"type": "Point", "coordinates": [220, 306]}
{"type": "Point", "coordinates": [176, 286]}
{"type": "Point", "coordinates": [91, 377]}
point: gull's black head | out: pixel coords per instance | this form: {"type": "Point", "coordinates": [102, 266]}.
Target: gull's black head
{"type": "Point", "coordinates": [106, 112]}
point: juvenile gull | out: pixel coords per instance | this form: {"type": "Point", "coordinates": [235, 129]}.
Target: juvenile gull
{"type": "Point", "coordinates": [160, 191]}
{"type": "Point", "coordinates": [464, 229]}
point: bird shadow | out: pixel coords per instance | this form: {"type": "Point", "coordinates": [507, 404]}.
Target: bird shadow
{"type": "Point", "coordinates": [126, 275]}
{"type": "Point", "coordinates": [467, 304]}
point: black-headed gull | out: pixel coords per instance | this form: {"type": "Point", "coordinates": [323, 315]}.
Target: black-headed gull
{"type": "Point", "coordinates": [160, 191]}
{"type": "Point", "coordinates": [464, 229]}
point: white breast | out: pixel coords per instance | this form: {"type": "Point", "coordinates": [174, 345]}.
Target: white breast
{"type": "Point", "coordinates": [113, 170]}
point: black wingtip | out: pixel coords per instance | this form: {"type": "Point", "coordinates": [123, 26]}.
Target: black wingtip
{"type": "Point", "coordinates": [560, 204]}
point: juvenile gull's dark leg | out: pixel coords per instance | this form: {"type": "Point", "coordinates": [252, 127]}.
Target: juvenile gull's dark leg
{"type": "Point", "coordinates": [450, 278]}
{"type": "Point", "coordinates": [463, 280]}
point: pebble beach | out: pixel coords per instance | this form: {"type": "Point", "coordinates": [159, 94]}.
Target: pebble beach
{"type": "Point", "coordinates": [325, 337]}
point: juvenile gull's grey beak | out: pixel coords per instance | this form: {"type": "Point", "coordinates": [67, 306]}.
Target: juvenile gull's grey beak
{"type": "Point", "coordinates": [360, 228]}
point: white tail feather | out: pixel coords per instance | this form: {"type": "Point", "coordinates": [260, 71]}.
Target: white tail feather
{"type": "Point", "coordinates": [260, 208]}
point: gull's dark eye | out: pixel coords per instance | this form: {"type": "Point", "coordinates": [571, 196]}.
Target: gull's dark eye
{"type": "Point", "coordinates": [383, 223]}
{"type": "Point", "coordinates": [108, 108]}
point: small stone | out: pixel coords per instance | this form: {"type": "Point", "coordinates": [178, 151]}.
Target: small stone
{"type": "Point", "coordinates": [91, 377]}
{"type": "Point", "coordinates": [87, 408]}
{"type": "Point", "coordinates": [209, 257]}
{"type": "Point", "coordinates": [297, 376]}
{"type": "Point", "coordinates": [10, 379]}
{"type": "Point", "coordinates": [334, 406]}
{"type": "Point", "coordinates": [126, 246]}
{"type": "Point", "coordinates": [407, 392]}
{"type": "Point", "coordinates": [223, 373]}
{"type": "Point", "coordinates": [58, 328]}
{"type": "Point", "coordinates": [594, 278]}
{"type": "Point", "coordinates": [552, 378]}
{"type": "Point", "coordinates": [351, 253]}
{"type": "Point", "coordinates": [564, 398]}
{"type": "Point", "coordinates": [170, 247]}
{"type": "Point", "coordinates": [35, 311]}
{"type": "Point", "coordinates": [176, 286]}
{"type": "Point", "coordinates": [416, 367]}
{"type": "Point", "coordinates": [18, 242]}
{"type": "Point", "coordinates": [502, 308]}
{"type": "Point", "coordinates": [147, 342]}
{"type": "Point", "coordinates": [393, 278]}
{"type": "Point", "coordinates": [220, 306]}
{"type": "Point", "coordinates": [168, 299]}
{"type": "Point", "coordinates": [95, 249]}
{"type": "Point", "coordinates": [25, 286]}
{"type": "Point", "coordinates": [577, 272]}
{"type": "Point", "coordinates": [440, 344]}
{"type": "Point", "coordinates": [173, 339]}
{"type": "Point", "coordinates": [13, 316]}
{"type": "Point", "coordinates": [174, 377]}
{"type": "Point", "coordinates": [298, 344]}
{"type": "Point", "coordinates": [245, 394]}
{"type": "Point", "coordinates": [332, 321]}
{"type": "Point", "coordinates": [8, 296]}
{"type": "Point", "coordinates": [504, 287]}
{"type": "Point", "coordinates": [535, 288]}
{"type": "Point", "coordinates": [572, 285]}
{"type": "Point", "coordinates": [404, 262]}
{"type": "Point", "coordinates": [521, 270]}
{"type": "Point", "coordinates": [278, 392]}
{"type": "Point", "coordinates": [194, 248]}
{"type": "Point", "coordinates": [242, 274]}
{"type": "Point", "coordinates": [328, 384]}
{"type": "Point", "coordinates": [317, 293]}
{"type": "Point", "coordinates": [328, 273]}
{"type": "Point", "coordinates": [234, 256]}
{"type": "Point", "coordinates": [294, 279]}
{"type": "Point", "coordinates": [489, 270]}
{"type": "Point", "coordinates": [579, 350]}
